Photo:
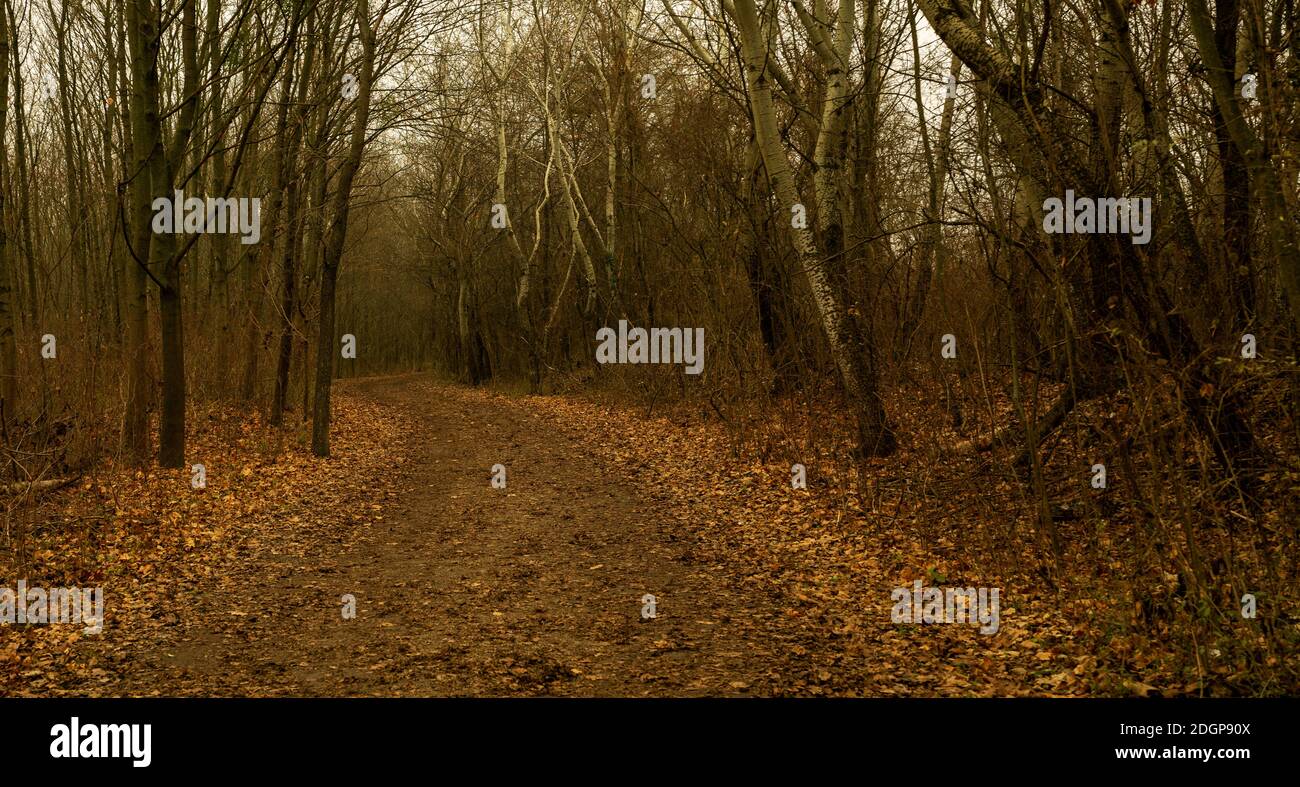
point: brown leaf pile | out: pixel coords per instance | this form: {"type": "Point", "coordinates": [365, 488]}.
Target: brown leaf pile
{"type": "Point", "coordinates": [152, 541]}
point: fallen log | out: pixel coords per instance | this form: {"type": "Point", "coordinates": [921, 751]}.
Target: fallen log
{"type": "Point", "coordinates": [36, 486]}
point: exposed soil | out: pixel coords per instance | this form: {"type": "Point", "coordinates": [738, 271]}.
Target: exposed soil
{"type": "Point", "coordinates": [466, 589]}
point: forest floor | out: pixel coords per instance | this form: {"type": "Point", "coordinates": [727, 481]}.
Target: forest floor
{"type": "Point", "coordinates": [461, 588]}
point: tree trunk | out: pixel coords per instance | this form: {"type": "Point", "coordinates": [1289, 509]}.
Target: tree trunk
{"type": "Point", "coordinates": [857, 371]}
{"type": "Point", "coordinates": [326, 349]}
{"type": "Point", "coordinates": [8, 348]}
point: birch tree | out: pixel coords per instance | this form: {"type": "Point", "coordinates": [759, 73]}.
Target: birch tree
{"type": "Point", "coordinates": [822, 262]}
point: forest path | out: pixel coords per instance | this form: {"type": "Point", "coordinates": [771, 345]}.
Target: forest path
{"type": "Point", "coordinates": [464, 589]}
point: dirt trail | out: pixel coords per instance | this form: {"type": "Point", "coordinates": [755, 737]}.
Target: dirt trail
{"type": "Point", "coordinates": [463, 589]}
